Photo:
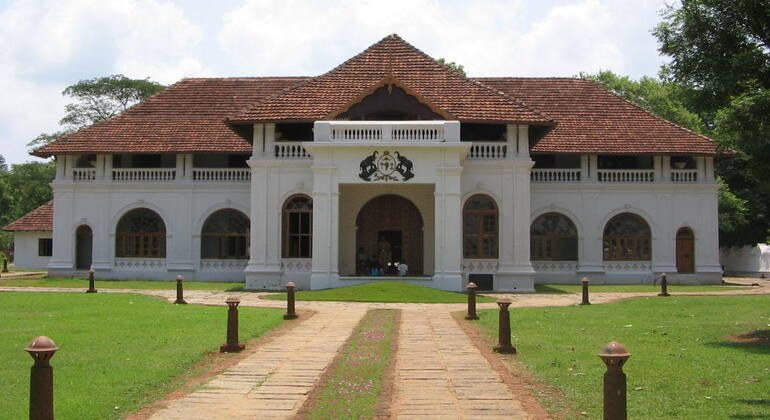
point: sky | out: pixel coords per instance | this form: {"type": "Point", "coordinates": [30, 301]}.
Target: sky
{"type": "Point", "coordinates": [46, 46]}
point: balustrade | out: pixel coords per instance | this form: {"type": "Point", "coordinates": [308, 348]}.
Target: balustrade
{"type": "Point", "coordinates": [626, 175]}
{"type": "Point", "coordinates": [143, 174]}
{"type": "Point", "coordinates": [83, 174]}
{"type": "Point", "coordinates": [684, 175]}
{"type": "Point", "coordinates": [221, 174]}
{"type": "Point", "coordinates": [555, 175]}
{"type": "Point", "coordinates": [484, 151]}
{"type": "Point", "coordinates": [290, 150]}
{"type": "Point", "coordinates": [387, 131]}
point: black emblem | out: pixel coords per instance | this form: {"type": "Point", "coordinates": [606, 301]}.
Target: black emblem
{"type": "Point", "coordinates": [385, 166]}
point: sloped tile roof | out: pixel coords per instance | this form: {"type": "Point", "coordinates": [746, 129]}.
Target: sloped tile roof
{"type": "Point", "coordinates": [591, 119]}
{"type": "Point", "coordinates": [392, 58]}
{"type": "Point", "coordinates": [185, 117]}
{"type": "Point", "coordinates": [40, 219]}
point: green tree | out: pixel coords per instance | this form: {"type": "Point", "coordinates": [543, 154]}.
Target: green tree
{"type": "Point", "coordinates": [451, 65]}
{"type": "Point", "coordinates": [3, 165]}
{"type": "Point", "coordinates": [22, 189]}
{"type": "Point", "coordinates": [96, 100]}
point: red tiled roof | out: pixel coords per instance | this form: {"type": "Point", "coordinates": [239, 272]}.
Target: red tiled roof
{"type": "Point", "coordinates": [185, 117]}
{"type": "Point", "coordinates": [40, 219]}
{"type": "Point", "coordinates": [392, 59]}
{"type": "Point", "coordinates": [591, 119]}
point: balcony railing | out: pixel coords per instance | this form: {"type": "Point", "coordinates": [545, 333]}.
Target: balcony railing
{"type": "Point", "coordinates": [555, 175]}
{"type": "Point", "coordinates": [386, 131]}
{"type": "Point", "coordinates": [626, 175]}
{"type": "Point", "coordinates": [290, 150]}
{"type": "Point", "coordinates": [221, 174]}
{"type": "Point", "coordinates": [488, 151]}
{"type": "Point", "coordinates": [684, 175]}
{"type": "Point", "coordinates": [84, 174]}
{"type": "Point", "coordinates": [143, 174]}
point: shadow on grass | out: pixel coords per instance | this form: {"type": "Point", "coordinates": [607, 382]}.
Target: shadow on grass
{"type": "Point", "coordinates": [762, 404]}
{"type": "Point", "coordinates": [757, 341]}
{"type": "Point", "coordinates": [544, 288]}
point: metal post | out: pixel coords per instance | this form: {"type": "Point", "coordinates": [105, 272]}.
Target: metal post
{"type": "Point", "coordinates": [91, 288]}
{"type": "Point", "coordinates": [471, 302]}
{"type": "Point", "coordinates": [232, 344]}
{"type": "Point", "coordinates": [504, 326]}
{"type": "Point", "coordinates": [5, 263]}
{"type": "Point", "coordinates": [614, 356]}
{"type": "Point", "coordinates": [290, 309]}
{"type": "Point", "coordinates": [663, 285]}
{"type": "Point", "coordinates": [584, 281]}
{"type": "Point", "coordinates": [179, 291]}
{"type": "Point", "coordinates": [42, 350]}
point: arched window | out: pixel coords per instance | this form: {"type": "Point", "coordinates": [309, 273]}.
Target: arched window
{"type": "Point", "coordinates": [298, 227]}
{"type": "Point", "coordinates": [140, 233]}
{"type": "Point", "coordinates": [553, 237]}
{"type": "Point", "coordinates": [480, 227]}
{"type": "Point", "coordinates": [225, 235]}
{"type": "Point", "coordinates": [627, 238]}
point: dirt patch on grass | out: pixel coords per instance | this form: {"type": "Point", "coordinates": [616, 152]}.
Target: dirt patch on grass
{"type": "Point", "coordinates": [215, 363]}
{"type": "Point", "coordinates": [522, 383]}
{"type": "Point", "coordinates": [759, 338]}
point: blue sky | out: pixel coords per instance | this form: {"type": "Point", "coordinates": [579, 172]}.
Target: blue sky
{"type": "Point", "coordinates": [48, 45]}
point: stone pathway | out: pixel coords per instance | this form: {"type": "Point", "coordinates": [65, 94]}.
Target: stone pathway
{"type": "Point", "coordinates": [440, 374]}
{"type": "Point", "coordinates": [274, 382]}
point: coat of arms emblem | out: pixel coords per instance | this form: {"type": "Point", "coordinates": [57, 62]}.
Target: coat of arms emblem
{"type": "Point", "coordinates": [386, 167]}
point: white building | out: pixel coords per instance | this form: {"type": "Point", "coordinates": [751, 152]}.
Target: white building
{"type": "Point", "coordinates": [389, 157]}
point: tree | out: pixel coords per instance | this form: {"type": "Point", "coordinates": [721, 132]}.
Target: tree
{"type": "Point", "coordinates": [96, 100]}
{"type": "Point", "coordinates": [22, 189]}
{"type": "Point", "coordinates": [451, 65]}
{"type": "Point", "coordinates": [720, 56]}
{"type": "Point", "coordinates": [3, 165]}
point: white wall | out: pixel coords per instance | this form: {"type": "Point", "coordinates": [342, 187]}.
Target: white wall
{"type": "Point", "coordinates": [25, 250]}
{"type": "Point", "coordinates": [746, 261]}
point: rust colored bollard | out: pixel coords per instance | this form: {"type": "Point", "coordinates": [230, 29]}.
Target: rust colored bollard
{"type": "Point", "coordinates": [290, 306]}
{"type": "Point", "coordinates": [504, 329]}
{"type": "Point", "coordinates": [91, 288]}
{"type": "Point", "coordinates": [584, 281]}
{"type": "Point", "coordinates": [179, 291]}
{"type": "Point", "coordinates": [41, 378]}
{"type": "Point", "coordinates": [663, 285]}
{"type": "Point", "coordinates": [471, 302]}
{"type": "Point", "coordinates": [614, 356]}
{"type": "Point", "coordinates": [5, 263]}
{"type": "Point", "coordinates": [232, 345]}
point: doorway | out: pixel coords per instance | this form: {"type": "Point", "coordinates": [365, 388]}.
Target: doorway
{"type": "Point", "coordinates": [389, 231]}
{"type": "Point", "coordinates": [83, 247]}
{"type": "Point", "coordinates": [685, 251]}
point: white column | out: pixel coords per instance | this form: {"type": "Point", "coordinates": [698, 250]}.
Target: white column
{"type": "Point", "coordinates": [584, 169]}
{"type": "Point", "coordinates": [512, 140]}
{"type": "Point", "coordinates": [61, 167]}
{"type": "Point", "coordinates": [523, 140]}
{"type": "Point", "coordinates": [593, 168]}
{"type": "Point", "coordinates": [665, 169]}
{"type": "Point", "coordinates": [188, 167]}
{"type": "Point", "coordinates": [663, 233]}
{"type": "Point", "coordinates": [264, 268]}
{"type": "Point", "coordinates": [179, 175]}
{"type": "Point", "coordinates": [100, 166]}
{"type": "Point", "coordinates": [108, 168]}
{"type": "Point", "coordinates": [269, 141]}
{"type": "Point", "coordinates": [325, 270]}
{"type": "Point", "coordinates": [515, 273]}
{"type": "Point", "coordinates": [590, 242]}
{"type": "Point", "coordinates": [709, 168]}
{"type": "Point", "coordinates": [448, 225]}
{"type": "Point", "coordinates": [62, 262]}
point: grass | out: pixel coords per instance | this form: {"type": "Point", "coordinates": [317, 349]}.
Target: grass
{"type": "Point", "coordinates": [629, 288]}
{"type": "Point", "coordinates": [382, 291]}
{"type": "Point", "coordinates": [682, 364]}
{"type": "Point", "coordinates": [353, 387]}
{"type": "Point", "coordinates": [119, 352]}
{"type": "Point", "coordinates": [119, 284]}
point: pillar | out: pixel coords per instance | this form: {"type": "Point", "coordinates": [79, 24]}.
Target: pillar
{"type": "Point", "coordinates": [325, 270]}
{"type": "Point", "coordinates": [515, 273]}
{"type": "Point", "coordinates": [448, 224]}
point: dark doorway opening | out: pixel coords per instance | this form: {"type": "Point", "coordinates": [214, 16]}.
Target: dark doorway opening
{"type": "Point", "coordinates": [483, 281]}
{"type": "Point", "coordinates": [83, 248]}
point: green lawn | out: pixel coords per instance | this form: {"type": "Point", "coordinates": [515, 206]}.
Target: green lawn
{"type": "Point", "coordinates": [629, 288]}
{"type": "Point", "coordinates": [682, 366]}
{"type": "Point", "coordinates": [353, 387]}
{"type": "Point", "coordinates": [118, 352]}
{"type": "Point", "coordinates": [382, 291]}
{"type": "Point", "coordinates": [119, 284]}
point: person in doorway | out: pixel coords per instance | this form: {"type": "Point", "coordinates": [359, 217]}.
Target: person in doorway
{"type": "Point", "coordinates": [403, 269]}
{"type": "Point", "coordinates": [374, 266]}
{"type": "Point", "coordinates": [384, 252]}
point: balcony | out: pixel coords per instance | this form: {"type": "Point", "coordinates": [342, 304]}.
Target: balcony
{"type": "Point", "coordinates": [386, 131]}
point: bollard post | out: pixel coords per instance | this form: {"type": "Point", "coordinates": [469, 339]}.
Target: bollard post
{"type": "Point", "coordinates": [504, 329]}
{"type": "Point", "coordinates": [614, 356]}
{"type": "Point", "coordinates": [663, 285]}
{"type": "Point", "coordinates": [91, 288]}
{"type": "Point", "coordinates": [179, 291]}
{"type": "Point", "coordinates": [41, 378]}
{"type": "Point", "coordinates": [232, 345]}
{"type": "Point", "coordinates": [584, 281]}
{"type": "Point", "coordinates": [290, 306]}
{"type": "Point", "coordinates": [471, 302]}
{"type": "Point", "coordinates": [5, 263]}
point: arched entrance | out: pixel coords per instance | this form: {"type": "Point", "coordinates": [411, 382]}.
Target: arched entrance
{"type": "Point", "coordinates": [685, 251]}
{"type": "Point", "coordinates": [83, 247]}
{"type": "Point", "coordinates": [389, 229]}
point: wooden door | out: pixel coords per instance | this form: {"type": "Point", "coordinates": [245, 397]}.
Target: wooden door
{"type": "Point", "coordinates": [384, 216]}
{"type": "Point", "coordinates": [685, 251]}
{"type": "Point", "coordinates": [83, 248]}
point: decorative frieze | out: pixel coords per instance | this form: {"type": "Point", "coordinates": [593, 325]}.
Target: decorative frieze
{"type": "Point", "coordinates": [297, 265]}
{"type": "Point", "coordinates": [480, 266]}
{"type": "Point", "coordinates": [628, 266]}
{"type": "Point", "coordinates": [140, 264]}
{"type": "Point", "coordinates": [223, 265]}
{"type": "Point", "coordinates": [555, 266]}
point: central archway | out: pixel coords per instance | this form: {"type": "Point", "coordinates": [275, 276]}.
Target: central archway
{"type": "Point", "coordinates": [389, 227]}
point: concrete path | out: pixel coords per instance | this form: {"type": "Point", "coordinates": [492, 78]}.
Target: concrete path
{"type": "Point", "coordinates": [440, 374]}
{"type": "Point", "coordinates": [274, 382]}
